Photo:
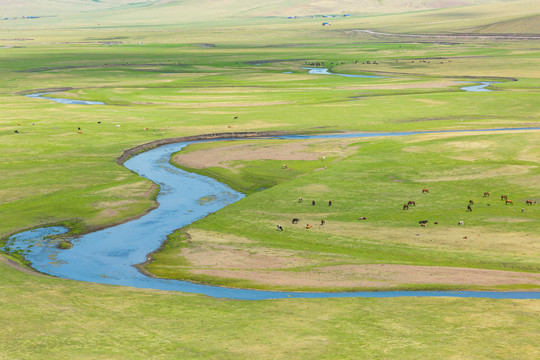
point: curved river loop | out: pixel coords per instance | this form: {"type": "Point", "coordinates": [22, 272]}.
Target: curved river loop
{"type": "Point", "coordinates": [108, 256]}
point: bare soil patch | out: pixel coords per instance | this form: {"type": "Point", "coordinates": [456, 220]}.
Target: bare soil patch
{"type": "Point", "coordinates": [377, 275]}
{"type": "Point", "coordinates": [233, 257]}
{"type": "Point", "coordinates": [19, 267]}
{"type": "Point", "coordinates": [296, 150]}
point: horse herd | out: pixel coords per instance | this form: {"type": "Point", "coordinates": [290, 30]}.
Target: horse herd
{"type": "Point", "coordinates": [469, 206]}
{"type": "Point", "coordinates": [406, 206]}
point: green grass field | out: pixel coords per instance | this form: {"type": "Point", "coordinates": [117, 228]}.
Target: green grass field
{"type": "Point", "coordinates": [164, 74]}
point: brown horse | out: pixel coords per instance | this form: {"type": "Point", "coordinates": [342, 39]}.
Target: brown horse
{"type": "Point", "coordinates": [509, 202]}
{"type": "Point", "coordinates": [529, 202]}
{"type": "Point", "coordinates": [425, 191]}
{"type": "Point", "coordinates": [405, 207]}
{"type": "Point", "coordinates": [504, 197]}
{"type": "Point", "coordinates": [411, 203]}
{"type": "Point", "coordinates": [471, 202]}
{"type": "Point", "coordinates": [486, 194]}
{"type": "Point", "coordinates": [469, 208]}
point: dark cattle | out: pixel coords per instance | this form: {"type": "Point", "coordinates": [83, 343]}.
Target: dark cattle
{"type": "Point", "coordinates": [322, 222]}
{"type": "Point", "coordinates": [99, 122]}
{"type": "Point", "coordinates": [471, 202]}
{"type": "Point", "coordinates": [330, 203]}
{"type": "Point", "coordinates": [313, 202]}
{"type": "Point", "coordinates": [405, 207]}
{"type": "Point", "coordinates": [504, 197]}
{"type": "Point", "coordinates": [423, 222]}
{"type": "Point", "coordinates": [509, 202]}
{"type": "Point", "coordinates": [16, 131]}
{"type": "Point", "coordinates": [461, 223]}
{"type": "Point", "coordinates": [295, 221]}
{"type": "Point", "coordinates": [279, 227]}
{"type": "Point", "coordinates": [529, 202]}
{"type": "Point", "coordinates": [425, 191]}
{"type": "Point", "coordinates": [79, 128]}
{"type": "Point", "coordinates": [300, 199]}
{"type": "Point", "coordinates": [236, 117]}
{"type": "Point", "coordinates": [486, 194]}
{"type": "Point", "coordinates": [469, 208]}
{"type": "Point", "coordinates": [411, 203]}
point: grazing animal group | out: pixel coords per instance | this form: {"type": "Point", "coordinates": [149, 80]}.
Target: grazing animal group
{"type": "Point", "coordinates": [423, 223]}
{"type": "Point", "coordinates": [406, 206]}
{"type": "Point", "coordinates": [308, 226]}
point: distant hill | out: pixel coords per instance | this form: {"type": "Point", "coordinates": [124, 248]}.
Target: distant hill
{"type": "Point", "coordinates": [403, 16]}
{"type": "Point", "coordinates": [234, 7]}
{"type": "Point", "coordinates": [19, 8]}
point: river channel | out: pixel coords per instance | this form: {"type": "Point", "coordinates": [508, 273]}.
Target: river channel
{"type": "Point", "coordinates": [107, 256]}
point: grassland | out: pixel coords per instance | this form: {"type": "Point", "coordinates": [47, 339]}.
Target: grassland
{"type": "Point", "coordinates": [161, 77]}
{"type": "Point", "coordinates": [62, 319]}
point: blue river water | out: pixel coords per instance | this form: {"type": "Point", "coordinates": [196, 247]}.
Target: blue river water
{"type": "Point", "coordinates": [107, 256]}
{"type": "Point", "coordinates": [64, 101]}
{"type": "Point", "coordinates": [324, 71]}
{"type": "Point", "coordinates": [315, 71]}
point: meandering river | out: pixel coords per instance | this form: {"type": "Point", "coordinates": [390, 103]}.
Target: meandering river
{"type": "Point", "coordinates": [107, 256]}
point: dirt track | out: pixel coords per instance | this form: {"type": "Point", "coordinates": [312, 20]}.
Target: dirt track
{"type": "Point", "coordinates": [457, 36]}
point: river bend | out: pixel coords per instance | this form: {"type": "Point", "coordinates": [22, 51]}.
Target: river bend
{"type": "Point", "coordinates": [107, 256]}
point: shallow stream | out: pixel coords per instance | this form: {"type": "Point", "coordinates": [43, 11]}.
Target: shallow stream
{"type": "Point", "coordinates": [107, 256]}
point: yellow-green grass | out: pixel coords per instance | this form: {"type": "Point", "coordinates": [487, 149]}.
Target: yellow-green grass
{"type": "Point", "coordinates": [46, 318]}
{"type": "Point", "coordinates": [375, 182]}
{"type": "Point", "coordinates": [173, 86]}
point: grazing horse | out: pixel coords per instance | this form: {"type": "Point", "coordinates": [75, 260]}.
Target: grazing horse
{"type": "Point", "coordinates": [411, 203]}
{"type": "Point", "coordinates": [405, 207]}
{"type": "Point", "coordinates": [295, 221]}
{"type": "Point", "coordinates": [461, 223]}
{"type": "Point", "coordinates": [330, 203]}
{"type": "Point", "coordinates": [236, 117]}
{"type": "Point", "coordinates": [308, 226]}
{"type": "Point", "coordinates": [469, 208]}
{"type": "Point", "coordinates": [509, 202]}
{"type": "Point", "coordinates": [425, 191]}
{"type": "Point", "coordinates": [486, 194]}
{"type": "Point", "coordinates": [312, 202]}
{"type": "Point", "coordinates": [504, 197]}
{"type": "Point", "coordinates": [423, 222]}
{"type": "Point", "coordinates": [79, 132]}
{"type": "Point", "coordinates": [471, 202]}
{"type": "Point", "coordinates": [322, 222]}
{"type": "Point", "coordinates": [529, 202]}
